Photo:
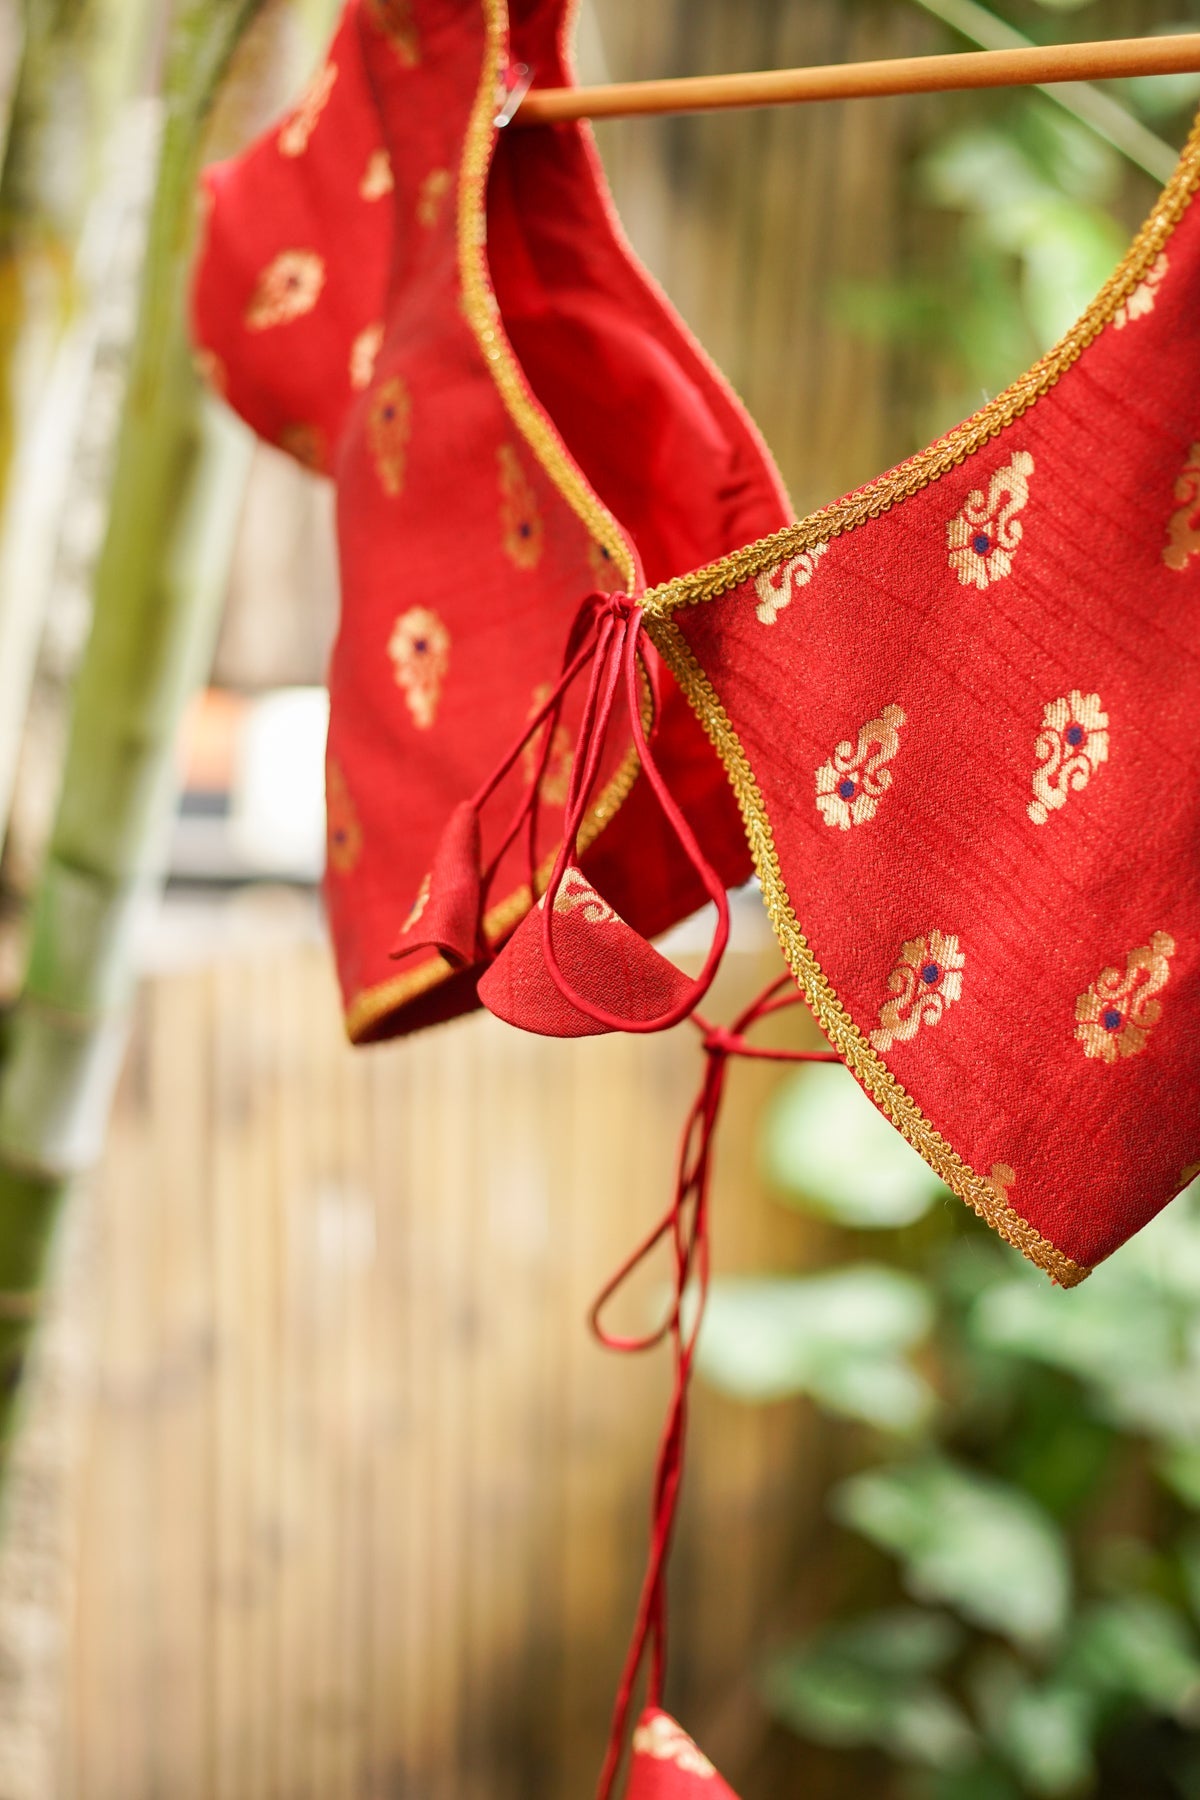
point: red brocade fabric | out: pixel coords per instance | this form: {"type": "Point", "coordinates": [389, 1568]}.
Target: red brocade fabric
{"type": "Point", "coordinates": [667, 1765]}
{"type": "Point", "coordinates": [960, 709]}
{"type": "Point", "coordinates": [452, 327]}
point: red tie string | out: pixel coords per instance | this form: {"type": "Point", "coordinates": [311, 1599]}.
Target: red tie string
{"type": "Point", "coordinates": [619, 663]}
{"type": "Point", "coordinates": [685, 1227]}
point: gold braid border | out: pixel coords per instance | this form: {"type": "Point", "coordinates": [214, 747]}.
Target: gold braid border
{"type": "Point", "coordinates": [482, 314]}
{"type": "Point", "coordinates": [845, 515]}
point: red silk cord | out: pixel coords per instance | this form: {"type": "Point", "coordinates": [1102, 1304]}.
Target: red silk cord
{"type": "Point", "coordinates": [685, 1227]}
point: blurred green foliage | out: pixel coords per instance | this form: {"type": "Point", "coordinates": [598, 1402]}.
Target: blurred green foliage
{"type": "Point", "coordinates": [1025, 1468]}
{"type": "Point", "coordinates": [1021, 214]}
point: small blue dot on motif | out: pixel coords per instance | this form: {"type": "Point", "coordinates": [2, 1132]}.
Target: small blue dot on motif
{"type": "Point", "coordinates": [1111, 1019]}
{"type": "Point", "coordinates": [846, 788]}
{"type": "Point", "coordinates": [1075, 734]}
{"type": "Point", "coordinates": [930, 973]}
{"type": "Point", "coordinates": [981, 544]}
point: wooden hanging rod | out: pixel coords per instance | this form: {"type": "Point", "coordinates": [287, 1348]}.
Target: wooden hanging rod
{"type": "Point", "coordinates": [1034, 67]}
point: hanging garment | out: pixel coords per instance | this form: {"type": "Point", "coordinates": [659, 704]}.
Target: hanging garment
{"type": "Point", "coordinates": [453, 328]}
{"type": "Point", "coordinates": [958, 710]}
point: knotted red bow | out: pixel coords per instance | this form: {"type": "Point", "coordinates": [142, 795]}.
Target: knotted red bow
{"type": "Point", "coordinates": [573, 967]}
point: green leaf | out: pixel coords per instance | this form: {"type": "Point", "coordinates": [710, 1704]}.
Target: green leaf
{"type": "Point", "coordinates": [1138, 1647]}
{"type": "Point", "coordinates": [983, 1780]}
{"type": "Point", "coordinates": [829, 1147]}
{"type": "Point", "coordinates": [1130, 1334]}
{"type": "Point", "coordinates": [898, 1640]}
{"type": "Point", "coordinates": [869, 1683]}
{"type": "Point", "coordinates": [965, 1539]}
{"type": "Point", "coordinates": [1160, 96]}
{"type": "Point", "coordinates": [839, 1338]}
{"type": "Point", "coordinates": [1044, 1732]}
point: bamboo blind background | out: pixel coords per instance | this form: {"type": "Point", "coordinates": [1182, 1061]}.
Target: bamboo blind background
{"type": "Point", "coordinates": [362, 1507]}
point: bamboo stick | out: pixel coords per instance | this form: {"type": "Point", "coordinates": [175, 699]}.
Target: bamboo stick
{"type": "Point", "coordinates": [1032, 67]}
{"type": "Point", "coordinates": [158, 586]}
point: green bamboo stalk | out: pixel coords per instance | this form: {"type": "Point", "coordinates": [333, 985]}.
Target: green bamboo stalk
{"type": "Point", "coordinates": [1091, 105]}
{"type": "Point", "coordinates": [158, 585]}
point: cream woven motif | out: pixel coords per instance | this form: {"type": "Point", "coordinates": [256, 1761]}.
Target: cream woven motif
{"type": "Point", "coordinates": [851, 784]}
{"type": "Point", "coordinates": [1141, 300]}
{"type": "Point", "coordinates": [1116, 1015]}
{"type": "Point", "coordinates": [1071, 745]}
{"type": "Point", "coordinates": [926, 980]}
{"type": "Point", "coordinates": [983, 536]}
{"type": "Point", "coordinates": [661, 1738]}
{"type": "Point", "coordinates": [1183, 527]}
{"type": "Point", "coordinates": [420, 651]}
{"type": "Point", "coordinates": [777, 588]}
{"type": "Point", "coordinates": [576, 894]}
{"type": "Point", "coordinates": [377, 179]}
{"type": "Point", "coordinates": [293, 137]}
{"type": "Point", "coordinates": [287, 288]}
{"type": "Point", "coordinates": [363, 354]}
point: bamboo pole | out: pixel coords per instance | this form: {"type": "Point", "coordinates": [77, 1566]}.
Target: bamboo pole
{"type": "Point", "coordinates": [1023, 67]}
{"type": "Point", "coordinates": [158, 585]}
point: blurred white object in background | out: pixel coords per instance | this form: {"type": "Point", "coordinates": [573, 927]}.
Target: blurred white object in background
{"type": "Point", "coordinates": [277, 817]}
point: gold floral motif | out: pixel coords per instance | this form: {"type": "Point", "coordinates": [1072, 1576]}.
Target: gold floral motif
{"type": "Point", "coordinates": [418, 906]}
{"type": "Point", "coordinates": [1116, 1015]}
{"type": "Point", "coordinates": [294, 136]}
{"type": "Point", "coordinates": [287, 288]}
{"type": "Point", "coordinates": [1070, 747]}
{"type": "Point", "coordinates": [661, 1738]}
{"type": "Point", "coordinates": [520, 520]}
{"type": "Point", "coordinates": [307, 444]}
{"type": "Point", "coordinates": [776, 588]}
{"type": "Point", "coordinates": [363, 353]}
{"type": "Point", "coordinates": [1141, 299]}
{"type": "Point", "coordinates": [431, 197]}
{"type": "Point", "coordinates": [851, 784]}
{"type": "Point", "coordinates": [576, 894]}
{"type": "Point", "coordinates": [1183, 527]}
{"type": "Point", "coordinates": [420, 651]}
{"type": "Point", "coordinates": [1188, 1174]}
{"type": "Point", "coordinates": [395, 19]}
{"type": "Point", "coordinates": [343, 833]}
{"type": "Point", "coordinates": [377, 179]}
{"type": "Point", "coordinates": [388, 423]}
{"type": "Point", "coordinates": [926, 980]}
{"type": "Point", "coordinates": [984, 534]}
{"type": "Point", "coordinates": [557, 773]}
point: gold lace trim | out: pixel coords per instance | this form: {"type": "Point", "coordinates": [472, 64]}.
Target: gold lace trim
{"type": "Point", "coordinates": [908, 478]}
{"type": "Point", "coordinates": [985, 1196]}
{"type": "Point", "coordinates": [483, 316]}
